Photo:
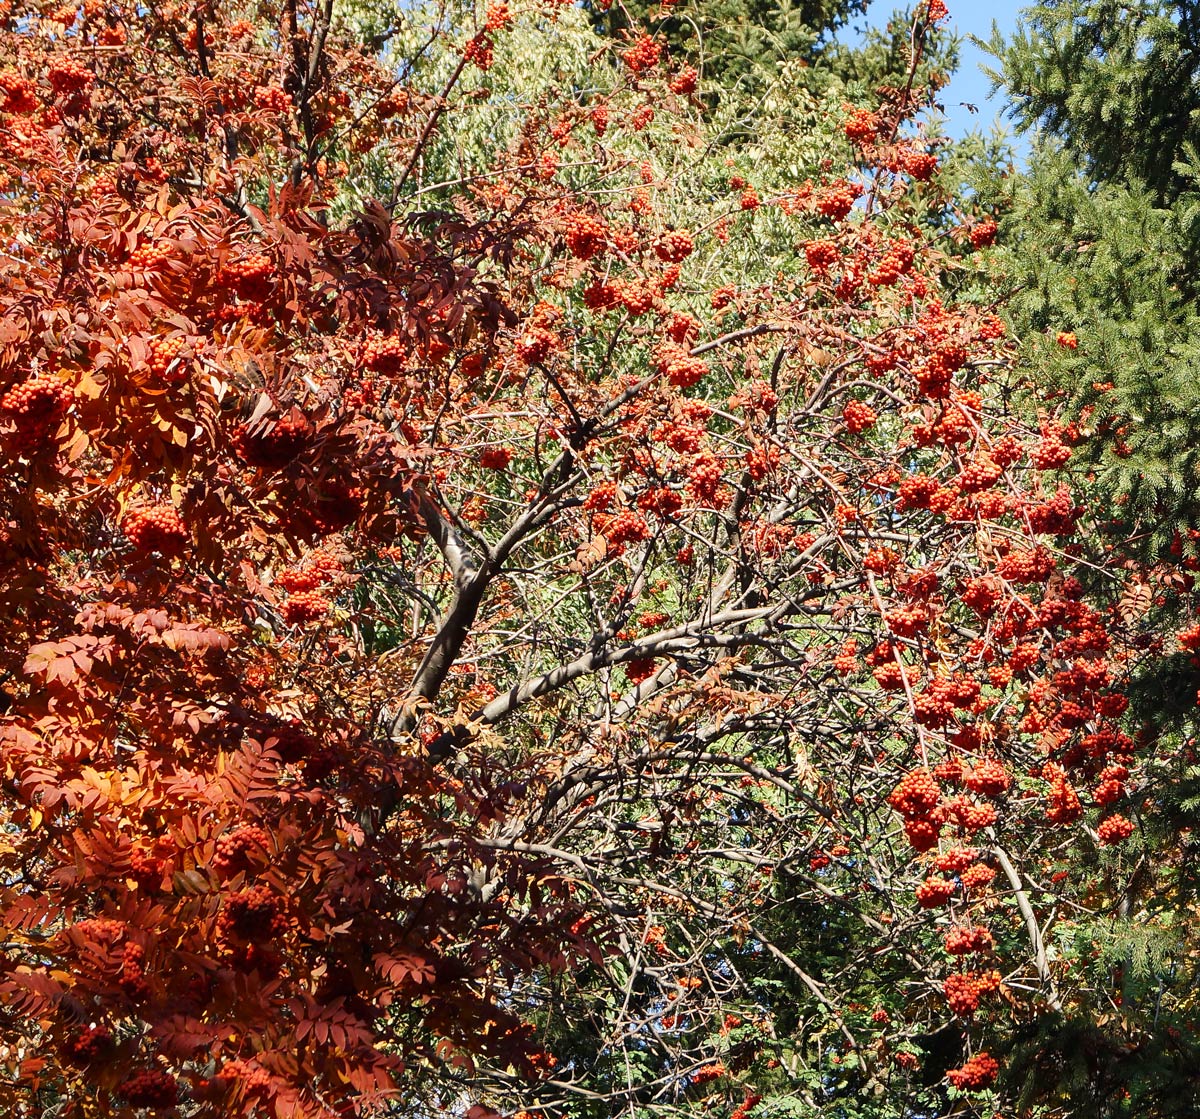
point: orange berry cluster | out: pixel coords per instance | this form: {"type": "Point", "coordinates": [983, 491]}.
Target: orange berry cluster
{"type": "Point", "coordinates": [250, 1076]}
{"type": "Point", "coordinates": [979, 474]}
{"type": "Point", "coordinates": [964, 990]}
{"type": "Point", "coordinates": [821, 255]}
{"type": "Point", "coordinates": [1114, 829]}
{"type": "Point", "coordinates": [164, 360]}
{"type": "Point", "coordinates": [133, 973]}
{"type": "Point", "coordinates": [151, 1088]}
{"type": "Point", "coordinates": [69, 75]}
{"type": "Point", "coordinates": [233, 852]}
{"type": "Point", "coordinates": [705, 481]}
{"type": "Point", "coordinates": [679, 367]}
{"type": "Point", "coordinates": [983, 233]}
{"type": "Point", "coordinates": [1067, 340]}
{"type": "Point", "coordinates": [383, 354]}
{"type": "Point", "coordinates": [705, 1073]}
{"type": "Point", "coordinates": [146, 870]}
{"type": "Point", "coordinates": [916, 794]}
{"type": "Point", "coordinates": [35, 408]}
{"type": "Point", "coordinates": [965, 940]}
{"type": "Point", "coordinates": [585, 235]}
{"type": "Point", "coordinates": [982, 595]}
{"type": "Point", "coordinates": [156, 528]}
{"type": "Point", "coordinates": [837, 199]}
{"type": "Point", "coordinates": [977, 876]}
{"type": "Point", "coordinates": [981, 1070]}
{"type": "Point", "coordinates": [907, 621]}
{"type": "Point", "coordinates": [250, 276]}
{"type": "Point", "coordinates": [497, 17]}
{"type": "Point", "coordinates": [892, 265]}
{"type": "Point", "coordinates": [495, 458]}
{"type": "Point", "coordinates": [749, 199]}
{"type": "Point", "coordinates": [17, 93]}
{"type": "Point", "coordinates": [92, 1043]}
{"type": "Point", "coordinates": [862, 126]}
{"type": "Point", "coordinates": [149, 258]}
{"type": "Point", "coordinates": [684, 83]}
{"type": "Point", "coordinates": [642, 54]}
{"type": "Point", "coordinates": [252, 914]}
{"type": "Point", "coordinates": [934, 892]}
{"type": "Point", "coordinates": [674, 246]}
{"type": "Point", "coordinates": [989, 777]}
{"type": "Point", "coordinates": [272, 99]}
{"type": "Point", "coordinates": [276, 447]}
{"type": "Point", "coordinates": [627, 527]}
{"type": "Point", "coordinates": [858, 417]}
{"type": "Point", "coordinates": [1051, 452]}
{"type": "Point", "coordinates": [305, 606]}
{"type": "Point", "coordinates": [535, 345]}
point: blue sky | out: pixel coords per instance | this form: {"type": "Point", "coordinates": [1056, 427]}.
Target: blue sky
{"type": "Point", "coordinates": [967, 17]}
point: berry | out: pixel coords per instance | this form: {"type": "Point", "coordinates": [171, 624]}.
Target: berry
{"type": "Point", "coordinates": [384, 355]}
{"type": "Point", "coordinates": [858, 417]}
{"type": "Point", "coordinates": [821, 255]}
{"type": "Point", "coordinates": [684, 83]}
{"type": "Point", "coordinates": [237, 850]}
{"type": "Point", "coordinates": [585, 235]}
{"type": "Point", "coordinates": [273, 447]}
{"type": "Point", "coordinates": [150, 1088]}
{"type": "Point", "coordinates": [17, 94]}
{"type": "Point", "coordinates": [36, 407]}
{"type": "Point", "coordinates": [983, 233]}
{"type": "Point", "coordinates": [92, 1043]}
{"type": "Point", "coordinates": [981, 1070]}
{"type": "Point", "coordinates": [1114, 829]}
{"type": "Point", "coordinates": [156, 528]}
{"type": "Point", "coordinates": [965, 940]}
{"type": "Point", "coordinates": [934, 892]}
{"type": "Point", "coordinates": [642, 54]}
{"type": "Point", "coordinates": [673, 246]}
{"type": "Point", "coordinates": [252, 914]}
{"type": "Point", "coordinates": [861, 127]}
{"type": "Point", "coordinates": [272, 99]}
{"type": "Point", "coordinates": [166, 360]}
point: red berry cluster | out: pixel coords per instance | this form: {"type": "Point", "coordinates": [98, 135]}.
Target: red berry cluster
{"type": "Point", "coordinates": [964, 940]}
{"type": "Point", "coordinates": [156, 528]}
{"type": "Point", "coordinates": [679, 367]}
{"type": "Point", "coordinates": [495, 458]}
{"type": "Point", "coordinates": [133, 973]}
{"type": "Point", "coordinates": [642, 54]}
{"type": "Point", "coordinates": [236, 851]}
{"type": "Point", "coordinates": [862, 126]}
{"type": "Point", "coordinates": [977, 877]}
{"type": "Point", "coordinates": [164, 360]}
{"type": "Point", "coordinates": [749, 199]}
{"type": "Point", "coordinates": [979, 474]}
{"type": "Point", "coordinates": [1034, 565]}
{"type": "Point", "coordinates": [35, 408]}
{"type": "Point", "coordinates": [272, 99]}
{"type": "Point", "coordinates": [383, 354]}
{"type": "Point", "coordinates": [276, 446]}
{"type": "Point", "coordinates": [1051, 452]}
{"type": "Point", "coordinates": [1114, 829]}
{"type": "Point", "coordinates": [1056, 517]}
{"type": "Point", "coordinates": [934, 892]}
{"type": "Point", "coordinates": [1065, 806]}
{"type": "Point", "coordinates": [705, 1073]}
{"type": "Point", "coordinates": [660, 501]}
{"type": "Point", "coordinates": [821, 255]}
{"type": "Point", "coordinates": [919, 165]}
{"type": "Point", "coordinates": [627, 527]}
{"type": "Point", "coordinates": [69, 75]}
{"type": "Point", "coordinates": [674, 245]}
{"type": "Point", "coordinates": [535, 345]}
{"type": "Point", "coordinates": [858, 417]}
{"type": "Point", "coordinates": [982, 595]}
{"type": "Point", "coordinates": [1067, 340]}
{"type": "Point", "coordinates": [837, 199]}
{"type": "Point", "coordinates": [980, 1071]}
{"type": "Point", "coordinates": [250, 276]}
{"type": "Point", "coordinates": [17, 93]}
{"type": "Point", "coordinates": [585, 235]}
{"type": "Point", "coordinates": [92, 1043]}
{"type": "Point", "coordinates": [983, 233]}
{"type": "Point", "coordinates": [705, 481]}
{"type": "Point", "coordinates": [968, 814]}
{"type": "Point", "coordinates": [881, 561]}
{"type": "Point", "coordinates": [917, 491]}
{"type": "Point", "coordinates": [146, 870]}
{"type": "Point", "coordinates": [907, 621]}
{"type": "Point", "coordinates": [306, 606]}
{"type": "Point", "coordinates": [250, 1076]}
{"type": "Point", "coordinates": [498, 16]}
{"type": "Point", "coordinates": [988, 778]}
{"type": "Point", "coordinates": [935, 376]}
{"type": "Point", "coordinates": [150, 1088]}
{"type": "Point", "coordinates": [684, 83]}
{"type": "Point", "coordinates": [252, 914]}
{"type": "Point", "coordinates": [892, 265]}
{"type": "Point", "coordinates": [964, 990]}
{"type": "Point", "coordinates": [480, 50]}
{"type": "Point", "coordinates": [150, 258]}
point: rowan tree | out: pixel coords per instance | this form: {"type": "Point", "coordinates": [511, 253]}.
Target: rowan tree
{"type": "Point", "coordinates": [577, 627]}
